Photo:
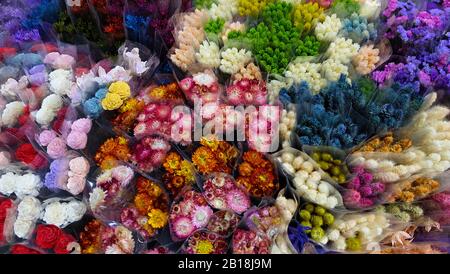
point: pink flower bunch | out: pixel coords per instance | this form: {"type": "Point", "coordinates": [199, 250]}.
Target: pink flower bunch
{"type": "Point", "coordinates": [59, 61]}
{"type": "Point", "coordinates": [222, 192]}
{"type": "Point", "coordinates": [247, 92]}
{"type": "Point", "coordinates": [262, 128]}
{"type": "Point", "coordinates": [323, 3]}
{"type": "Point", "coordinates": [362, 191]}
{"type": "Point", "coordinates": [160, 119]}
{"type": "Point", "coordinates": [202, 86]}
{"type": "Point", "coordinates": [150, 152]}
{"type": "Point", "coordinates": [56, 146]}
{"type": "Point", "coordinates": [78, 170]}
{"type": "Point", "coordinates": [188, 215]}
{"type": "Point", "coordinates": [77, 138]}
{"type": "Point", "coordinates": [249, 242]}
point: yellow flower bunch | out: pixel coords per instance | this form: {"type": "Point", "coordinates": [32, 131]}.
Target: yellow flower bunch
{"type": "Point", "coordinates": [307, 15]}
{"type": "Point", "coordinates": [252, 7]}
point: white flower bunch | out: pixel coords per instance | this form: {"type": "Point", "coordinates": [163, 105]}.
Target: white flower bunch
{"type": "Point", "coordinates": [287, 124]}
{"type": "Point", "coordinates": [233, 26]}
{"type": "Point", "coordinates": [134, 62]}
{"type": "Point", "coordinates": [28, 212]}
{"type": "Point", "coordinates": [12, 88]}
{"type": "Point", "coordinates": [328, 30]}
{"type": "Point", "coordinates": [274, 87]}
{"type": "Point", "coordinates": [224, 9]}
{"type": "Point", "coordinates": [208, 55]}
{"type": "Point", "coordinates": [308, 179]}
{"type": "Point", "coordinates": [49, 108]}
{"type": "Point", "coordinates": [370, 8]}
{"type": "Point", "coordinates": [63, 213]}
{"type": "Point", "coordinates": [369, 227]}
{"type": "Point", "coordinates": [332, 69]}
{"type": "Point", "coordinates": [342, 50]}
{"type": "Point", "coordinates": [11, 113]}
{"type": "Point", "coordinates": [299, 71]}
{"type": "Point", "coordinates": [233, 60]}
{"type": "Point", "coordinates": [21, 185]}
{"type": "Point", "coordinates": [118, 73]}
{"type": "Point", "coordinates": [60, 81]}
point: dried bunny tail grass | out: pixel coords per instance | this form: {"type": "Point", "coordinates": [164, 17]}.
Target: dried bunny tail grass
{"type": "Point", "coordinates": [251, 72]}
{"type": "Point", "coordinates": [195, 19]}
{"type": "Point", "coordinates": [441, 126]}
{"type": "Point", "coordinates": [437, 113]}
{"type": "Point", "coordinates": [388, 177]}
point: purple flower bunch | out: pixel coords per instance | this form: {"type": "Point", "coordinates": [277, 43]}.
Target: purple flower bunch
{"type": "Point", "coordinates": [423, 39]}
{"type": "Point", "coordinates": [362, 191]}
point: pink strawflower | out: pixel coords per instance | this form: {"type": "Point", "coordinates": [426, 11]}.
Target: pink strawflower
{"type": "Point", "coordinates": [56, 148]}
{"type": "Point", "coordinates": [237, 201]}
{"type": "Point", "coordinates": [201, 215]}
{"type": "Point", "coordinates": [182, 227]}
{"type": "Point", "coordinates": [352, 197]}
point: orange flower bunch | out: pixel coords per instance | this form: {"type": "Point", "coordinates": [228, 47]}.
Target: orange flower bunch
{"type": "Point", "coordinates": [128, 113]}
{"type": "Point", "coordinates": [179, 173]}
{"type": "Point", "coordinates": [167, 92]}
{"type": "Point", "coordinates": [386, 143]}
{"type": "Point", "coordinates": [151, 201]}
{"type": "Point", "coordinates": [111, 151]}
{"type": "Point", "coordinates": [256, 175]}
{"type": "Point", "coordinates": [411, 191]}
{"type": "Point", "coordinates": [214, 156]}
{"type": "Point", "coordinates": [90, 241]}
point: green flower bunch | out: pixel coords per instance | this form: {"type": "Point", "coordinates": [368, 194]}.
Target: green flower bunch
{"type": "Point", "coordinates": [404, 211]}
{"type": "Point", "coordinates": [308, 46]}
{"type": "Point", "coordinates": [317, 218]}
{"type": "Point", "coordinates": [344, 8]}
{"type": "Point", "coordinates": [214, 26]}
{"type": "Point", "coordinates": [203, 4]}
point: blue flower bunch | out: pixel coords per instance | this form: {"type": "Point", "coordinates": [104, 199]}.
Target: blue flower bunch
{"type": "Point", "coordinates": [45, 11]}
{"type": "Point", "coordinates": [358, 29]}
{"type": "Point", "coordinates": [92, 107]}
{"type": "Point", "coordinates": [24, 60]}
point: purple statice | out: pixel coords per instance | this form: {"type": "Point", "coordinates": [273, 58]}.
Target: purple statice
{"type": "Point", "coordinates": [58, 174]}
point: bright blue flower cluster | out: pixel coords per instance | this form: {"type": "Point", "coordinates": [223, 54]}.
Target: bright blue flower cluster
{"type": "Point", "coordinates": [358, 29]}
{"type": "Point", "coordinates": [92, 107]}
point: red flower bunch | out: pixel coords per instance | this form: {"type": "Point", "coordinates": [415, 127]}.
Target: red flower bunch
{"type": "Point", "coordinates": [53, 237]}
{"type": "Point", "coordinates": [45, 47]}
{"type": "Point", "coordinates": [6, 52]}
{"type": "Point", "coordinates": [5, 205]}
{"type": "Point", "coordinates": [23, 249]}
{"type": "Point", "coordinates": [29, 156]}
{"type": "Point", "coordinates": [60, 117]}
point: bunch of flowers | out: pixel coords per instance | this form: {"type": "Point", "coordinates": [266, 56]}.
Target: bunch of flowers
{"type": "Point", "coordinates": [110, 188]}
{"type": "Point", "coordinates": [98, 237]}
{"type": "Point", "coordinates": [335, 168]}
{"type": "Point", "coordinates": [170, 92]}
{"type": "Point", "coordinates": [405, 212]}
{"type": "Point", "coordinates": [204, 242]}
{"type": "Point", "coordinates": [51, 237]}
{"type": "Point", "coordinates": [28, 212]}
{"type": "Point", "coordinates": [149, 211]}
{"type": "Point", "coordinates": [202, 86]}
{"type": "Point", "coordinates": [149, 153]}
{"type": "Point", "coordinates": [316, 220]}
{"type": "Point", "coordinates": [223, 223]}
{"type": "Point", "coordinates": [413, 190]}
{"type": "Point", "coordinates": [214, 156]}
{"type": "Point", "coordinates": [221, 192]}
{"type": "Point", "coordinates": [247, 92]}
{"type": "Point", "coordinates": [20, 184]}
{"type": "Point", "coordinates": [62, 213]}
{"type": "Point", "coordinates": [112, 151]}
{"type": "Point", "coordinates": [188, 215]}
{"type": "Point", "coordinates": [420, 36]}
{"type": "Point", "coordinates": [257, 175]}
{"type": "Point", "coordinates": [68, 174]}
{"type": "Point", "coordinates": [266, 220]}
{"type": "Point", "coordinates": [362, 190]}
{"type": "Point", "coordinates": [250, 242]}
{"type": "Point", "coordinates": [178, 173]}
